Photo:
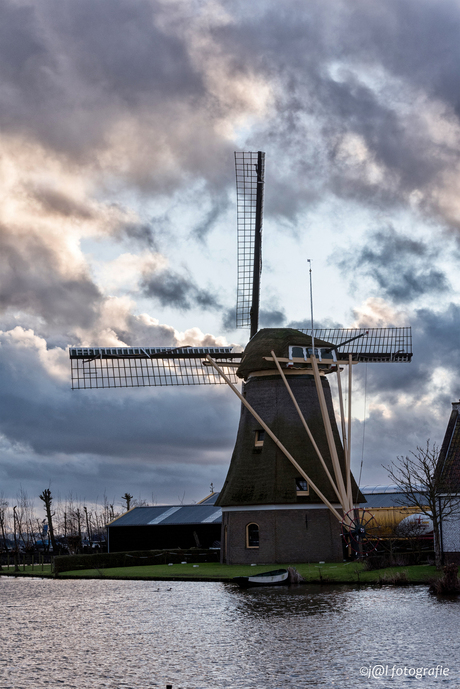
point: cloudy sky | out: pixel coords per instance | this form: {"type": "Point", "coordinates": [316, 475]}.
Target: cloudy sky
{"type": "Point", "coordinates": [118, 123]}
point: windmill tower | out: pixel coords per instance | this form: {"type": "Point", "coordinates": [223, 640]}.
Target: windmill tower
{"type": "Point", "coordinates": [289, 483]}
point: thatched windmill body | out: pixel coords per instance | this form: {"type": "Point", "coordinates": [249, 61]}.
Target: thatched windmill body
{"type": "Point", "coordinates": [289, 483]}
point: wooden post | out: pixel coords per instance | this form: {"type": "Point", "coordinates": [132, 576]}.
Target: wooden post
{"type": "Point", "coordinates": [344, 438]}
{"type": "Point", "coordinates": [275, 439]}
{"type": "Point", "coordinates": [302, 418]}
{"type": "Point", "coordinates": [350, 369]}
{"type": "Point", "coordinates": [329, 434]}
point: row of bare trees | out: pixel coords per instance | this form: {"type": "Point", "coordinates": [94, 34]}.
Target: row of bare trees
{"type": "Point", "coordinates": [69, 525]}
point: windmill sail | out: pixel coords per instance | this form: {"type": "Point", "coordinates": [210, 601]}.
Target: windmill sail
{"type": "Point", "coordinates": [250, 172]}
{"type": "Point", "coordinates": [135, 367]}
{"type": "Point", "coordinates": [378, 345]}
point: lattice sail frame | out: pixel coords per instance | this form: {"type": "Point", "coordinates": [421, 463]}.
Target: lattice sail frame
{"type": "Point", "coordinates": [126, 367]}
{"type": "Point", "coordinates": [250, 174]}
{"type": "Point", "coordinates": [377, 345]}
{"type": "Point", "coordinates": [136, 367]}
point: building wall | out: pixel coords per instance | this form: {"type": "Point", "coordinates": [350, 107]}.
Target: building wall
{"type": "Point", "coordinates": [285, 536]}
{"type": "Point", "coordinates": [160, 536]}
{"type": "Point", "coordinates": [451, 537]}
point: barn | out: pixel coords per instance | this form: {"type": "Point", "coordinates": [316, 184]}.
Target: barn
{"type": "Point", "coordinates": [167, 527]}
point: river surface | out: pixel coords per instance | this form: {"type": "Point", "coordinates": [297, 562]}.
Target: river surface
{"type": "Point", "coordinates": [139, 634]}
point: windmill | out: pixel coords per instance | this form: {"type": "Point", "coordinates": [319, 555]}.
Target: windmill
{"type": "Point", "coordinates": [289, 482]}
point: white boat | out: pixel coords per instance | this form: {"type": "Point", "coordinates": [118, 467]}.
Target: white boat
{"type": "Point", "coordinates": [276, 577]}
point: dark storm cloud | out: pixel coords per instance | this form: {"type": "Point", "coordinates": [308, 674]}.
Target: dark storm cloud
{"type": "Point", "coordinates": [409, 403]}
{"type": "Point", "coordinates": [400, 266]}
{"type": "Point", "coordinates": [30, 280]}
{"type": "Point", "coordinates": [344, 70]}
{"type": "Point", "coordinates": [272, 319]}
{"type": "Point", "coordinates": [55, 202]}
{"type": "Point", "coordinates": [229, 319]}
{"type": "Point", "coordinates": [89, 478]}
{"type": "Point", "coordinates": [134, 426]}
{"type": "Point", "coordinates": [305, 324]}
{"type": "Point", "coordinates": [42, 416]}
{"type": "Point", "coordinates": [434, 345]}
{"type": "Point", "coordinates": [220, 203]}
{"type": "Point", "coordinates": [172, 289]}
{"type": "Point", "coordinates": [416, 39]}
{"type": "Point", "coordinates": [114, 53]}
{"type": "Point", "coordinates": [419, 401]}
{"type": "Point", "coordinates": [141, 233]}
{"type": "Point", "coordinates": [70, 72]}
{"type": "Point", "coordinates": [86, 79]}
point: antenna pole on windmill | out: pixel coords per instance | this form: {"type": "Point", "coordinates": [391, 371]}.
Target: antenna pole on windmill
{"type": "Point", "coordinates": [257, 244]}
{"type": "Point", "coordinates": [311, 311]}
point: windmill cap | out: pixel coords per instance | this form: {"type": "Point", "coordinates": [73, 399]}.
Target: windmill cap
{"type": "Point", "coordinates": [277, 339]}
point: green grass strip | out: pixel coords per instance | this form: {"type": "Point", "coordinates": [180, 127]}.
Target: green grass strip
{"type": "Point", "coordinates": [333, 573]}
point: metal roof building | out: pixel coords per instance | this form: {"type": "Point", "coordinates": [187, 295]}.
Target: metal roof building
{"type": "Point", "coordinates": [167, 526]}
{"type": "Point", "coordinates": [382, 497]}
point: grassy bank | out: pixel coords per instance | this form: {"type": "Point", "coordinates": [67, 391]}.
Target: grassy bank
{"type": "Point", "coordinates": [328, 573]}
{"type": "Point", "coordinates": [343, 573]}
{"type": "Point", "coordinates": [27, 571]}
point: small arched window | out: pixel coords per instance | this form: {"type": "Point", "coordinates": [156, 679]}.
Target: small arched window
{"type": "Point", "coordinates": [252, 535]}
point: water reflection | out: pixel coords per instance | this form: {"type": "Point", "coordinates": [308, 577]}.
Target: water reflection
{"type": "Point", "coordinates": [91, 634]}
{"type": "Point", "coordinates": [289, 601]}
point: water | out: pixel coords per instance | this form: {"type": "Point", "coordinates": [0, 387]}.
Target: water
{"type": "Point", "coordinates": [138, 634]}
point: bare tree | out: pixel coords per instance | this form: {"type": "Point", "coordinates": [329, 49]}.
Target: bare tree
{"type": "Point", "coordinates": [127, 497]}
{"type": "Point", "coordinates": [424, 487]}
{"type": "Point", "coordinates": [47, 499]}
{"type": "Point", "coordinates": [3, 521]}
{"type": "Point", "coordinates": [89, 529]}
{"type": "Point", "coordinates": [24, 518]}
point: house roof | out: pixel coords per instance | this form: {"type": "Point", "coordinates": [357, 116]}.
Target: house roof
{"type": "Point", "coordinates": [390, 499]}
{"type": "Point", "coordinates": [449, 456]}
{"type": "Point", "coordinates": [209, 500]}
{"type": "Point", "coordinates": [169, 515]}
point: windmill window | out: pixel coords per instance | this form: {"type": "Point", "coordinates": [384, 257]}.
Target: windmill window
{"type": "Point", "coordinates": [301, 486]}
{"type": "Point", "coordinates": [305, 353]}
{"type": "Point", "coordinates": [297, 352]}
{"type": "Point", "coordinates": [318, 352]}
{"type": "Point", "coordinates": [259, 438]}
{"type": "Point", "coordinates": [252, 535]}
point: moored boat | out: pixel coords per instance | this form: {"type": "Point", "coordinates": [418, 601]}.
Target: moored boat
{"type": "Point", "coordinates": [276, 577]}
